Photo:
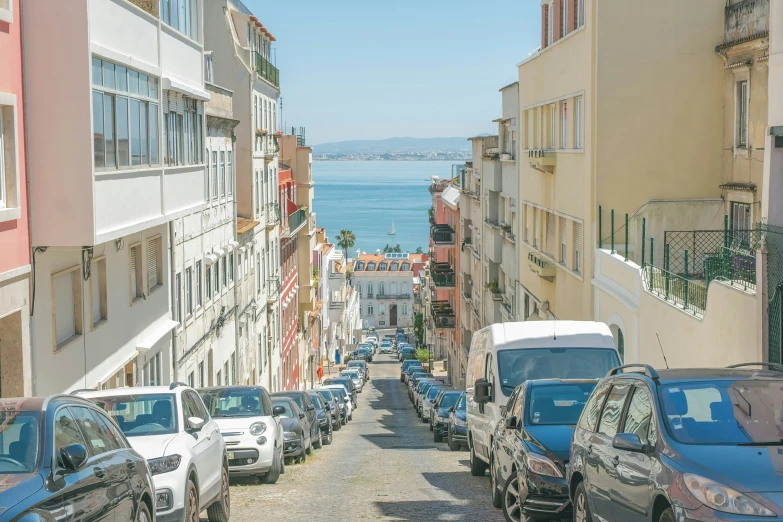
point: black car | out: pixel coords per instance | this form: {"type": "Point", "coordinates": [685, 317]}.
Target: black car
{"type": "Point", "coordinates": [441, 410]}
{"type": "Point", "coordinates": [305, 403]}
{"type": "Point", "coordinates": [296, 435]}
{"type": "Point", "coordinates": [458, 425]}
{"type": "Point", "coordinates": [324, 416]}
{"type": "Point", "coordinates": [62, 456]}
{"type": "Point", "coordinates": [363, 366]}
{"type": "Point", "coordinates": [529, 454]}
{"type": "Point", "coordinates": [336, 407]}
{"type": "Point", "coordinates": [349, 386]}
{"type": "Point", "coordinates": [689, 445]}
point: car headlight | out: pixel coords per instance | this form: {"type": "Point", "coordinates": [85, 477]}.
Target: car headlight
{"type": "Point", "coordinates": [540, 465]}
{"type": "Point", "coordinates": [290, 434]}
{"type": "Point", "coordinates": [459, 422]}
{"type": "Point", "coordinates": [257, 428]}
{"type": "Point", "coordinates": [721, 498]}
{"type": "Point", "coordinates": [164, 464]}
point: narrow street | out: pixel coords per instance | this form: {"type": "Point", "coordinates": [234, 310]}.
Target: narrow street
{"type": "Point", "coordinates": [382, 465]}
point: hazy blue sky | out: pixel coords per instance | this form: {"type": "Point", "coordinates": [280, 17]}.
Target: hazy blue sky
{"type": "Point", "coordinates": [372, 69]}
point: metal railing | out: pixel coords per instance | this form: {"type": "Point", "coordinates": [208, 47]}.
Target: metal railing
{"type": "Point", "coordinates": [392, 296]}
{"type": "Point", "coordinates": [272, 213]}
{"type": "Point", "coordinates": [442, 234]}
{"type": "Point", "coordinates": [296, 221]}
{"type": "Point", "coordinates": [266, 70]}
{"type": "Point", "coordinates": [273, 291]}
{"type": "Point", "coordinates": [444, 279]}
{"type": "Point", "coordinates": [445, 321]}
{"type": "Point", "coordinates": [702, 245]}
{"type": "Point", "coordinates": [690, 295]}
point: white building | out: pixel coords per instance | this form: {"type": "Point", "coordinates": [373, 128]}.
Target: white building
{"type": "Point", "coordinates": [116, 152]}
{"type": "Point", "coordinates": [241, 48]}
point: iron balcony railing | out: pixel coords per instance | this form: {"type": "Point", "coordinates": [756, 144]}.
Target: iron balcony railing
{"type": "Point", "coordinates": [273, 291]}
{"type": "Point", "coordinates": [296, 221]}
{"type": "Point", "coordinates": [266, 70]}
{"type": "Point", "coordinates": [441, 278]}
{"type": "Point", "coordinates": [442, 234]}
{"type": "Point", "coordinates": [392, 296]}
{"type": "Point", "coordinates": [272, 213]}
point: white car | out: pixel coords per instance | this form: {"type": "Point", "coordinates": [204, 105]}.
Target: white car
{"type": "Point", "coordinates": [170, 427]}
{"type": "Point", "coordinates": [345, 397]}
{"type": "Point", "coordinates": [254, 438]}
{"type": "Point", "coordinates": [356, 376]}
{"type": "Point", "coordinates": [386, 347]}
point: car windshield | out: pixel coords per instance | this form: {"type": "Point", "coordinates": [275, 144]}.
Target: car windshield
{"type": "Point", "coordinates": [462, 404]}
{"type": "Point", "coordinates": [326, 394]}
{"type": "Point", "coordinates": [317, 401]}
{"type": "Point", "coordinates": [432, 392]}
{"type": "Point", "coordinates": [530, 364]}
{"type": "Point", "coordinates": [340, 392]}
{"type": "Point", "coordinates": [143, 414]}
{"type": "Point", "coordinates": [557, 404]}
{"type": "Point", "coordinates": [296, 397]}
{"type": "Point", "coordinates": [346, 383]}
{"type": "Point", "coordinates": [350, 375]}
{"type": "Point", "coordinates": [232, 402]}
{"type": "Point", "coordinates": [724, 412]}
{"type": "Point", "coordinates": [287, 412]}
{"type": "Point", "coordinates": [19, 441]}
{"type": "Point", "coordinates": [449, 400]}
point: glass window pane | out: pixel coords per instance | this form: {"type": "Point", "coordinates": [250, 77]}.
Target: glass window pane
{"type": "Point", "coordinates": [153, 85]}
{"type": "Point", "coordinates": [97, 128]}
{"type": "Point", "coordinates": [97, 74]}
{"type": "Point", "coordinates": [135, 138]}
{"type": "Point", "coordinates": [144, 109]}
{"type": "Point", "coordinates": [610, 416]}
{"type": "Point", "coordinates": [144, 86]}
{"type": "Point", "coordinates": [66, 431]}
{"type": "Point", "coordinates": [134, 81]}
{"type": "Point", "coordinates": [108, 129]}
{"type": "Point", "coordinates": [108, 75]}
{"type": "Point", "coordinates": [122, 78]}
{"type": "Point", "coordinates": [123, 146]}
{"type": "Point", "coordinates": [174, 13]}
{"type": "Point", "coordinates": [154, 133]}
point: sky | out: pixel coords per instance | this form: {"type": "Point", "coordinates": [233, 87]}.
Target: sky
{"type": "Point", "coordinates": [375, 69]}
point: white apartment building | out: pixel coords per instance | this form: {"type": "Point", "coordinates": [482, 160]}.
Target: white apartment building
{"type": "Point", "coordinates": [116, 152]}
{"type": "Point", "coordinates": [241, 48]}
{"type": "Point", "coordinates": [385, 284]}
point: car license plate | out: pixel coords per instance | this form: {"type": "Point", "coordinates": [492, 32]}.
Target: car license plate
{"type": "Point", "coordinates": [230, 455]}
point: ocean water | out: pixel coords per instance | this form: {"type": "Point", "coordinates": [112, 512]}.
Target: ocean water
{"type": "Point", "coordinates": [365, 196]}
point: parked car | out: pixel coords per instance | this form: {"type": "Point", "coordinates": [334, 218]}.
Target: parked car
{"type": "Point", "coordinates": [527, 462]}
{"type": "Point", "coordinates": [56, 449]}
{"type": "Point", "coordinates": [365, 353]}
{"type": "Point", "coordinates": [171, 428]}
{"type": "Point", "coordinates": [442, 409]}
{"type": "Point", "coordinates": [344, 396]}
{"type": "Point", "coordinates": [305, 403]}
{"type": "Point", "coordinates": [458, 428]}
{"type": "Point", "coordinates": [422, 388]}
{"type": "Point", "coordinates": [336, 407]}
{"type": "Point", "coordinates": [504, 355]}
{"type": "Point", "coordinates": [405, 365]}
{"type": "Point", "coordinates": [296, 428]}
{"type": "Point", "coordinates": [413, 368]}
{"type": "Point", "coordinates": [349, 386]}
{"type": "Point", "coordinates": [427, 399]}
{"type": "Point", "coordinates": [356, 376]}
{"type": "Point", "coordinates": [324, 416]}
{"type": "Point", "coordinates": [688, 444]}
{"type": "Point", "coordinates": [254, 438]}
{"type": "Point", "coordinates": [365, 368]}
{"type": "Point", "coordinates": [387, 349]}
{"type": "Point", "coordinates": [407, 352]}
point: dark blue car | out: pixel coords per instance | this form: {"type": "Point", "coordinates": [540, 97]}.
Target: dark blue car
{"type": "Point", "coordinates": [442, 407]}
{"type": "Point", "coordinates": [681, 445]}
{"type": "Point", "coordinates": [527, 464]}
{"type": "Point", "coordinates": [458, 429]}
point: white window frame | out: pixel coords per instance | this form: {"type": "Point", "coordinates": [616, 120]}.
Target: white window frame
{"type": "Point", "coordinates": [177, 307]}
{"type": "Point", "coordinates": [564, 15]}
{"type": "Point", "coordinates": [98, 277]}
{"type": "Point", "coordinates": [76, 273]}
{"type": "Point", "coordinates": [579, 122]}
{"type": "Point", "coordinates": [188, 297]}
{"type": "Point", "coordinates": [10, 194]}
{"type": "Point", "coordinates": [197, 284]}
{"type": "Point", "coordinates": [7, 11]}
{"type": "Point", "coordinates": [550, 23]}
{"type": "Point", "coordinates": [552, 120]}
{"type": "Point", "coordinates": [741, 101]}
{"type": "Point", "coordinates": [580, 13]}
{"type": "Point", "coordinates": [564, 124]}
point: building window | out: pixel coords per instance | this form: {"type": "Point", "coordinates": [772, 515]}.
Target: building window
{"type": "Point", "coordinates": [208, 282]}
{"type": "Point", "coordinates": [183, 127]}
{"type": "Point", "coordinates": [225, 272]}
{"type": "Point", "coordinates": [260, 275]}
{"type": "Point", "coordinates": [359, 289]}
{"type": "Point", "coordinates": [152, 371]}
{"type": "Point", "coordinates": [214, 174]}
{"type": "Point", "coordinates": [230, 174]}
{"type": "Point", "coordinates": [562, 240]}
{"type": "Point", "coordinates": [218, 377]}
{"type": "Point", "coordinates": [188, 292]}
{"type": "Point", "coordinates": [201, 382]}
{"type": "Point", "coordinates": [552, 116]}
{"type": "Point", "coordinates": [98, 291]}
{"type": "Point", "coordinates": [381, 289]}
{"type": "Point", "coordinates": [124, 116]}
{"type": "Point", "coordinates": [222, 174]}
{"type": "Point", "coordinates": [382, 309]}
{"type": "Point", "coordinates": [550, 24]}
{"type": "Point", "coordinates": [578, 247]}
{"type": "Point", "coordinates": [404, 309]}
{"type": "Point", "coordinates": [67, 299]}
{"type": "Point", "coordinates": [563, 124]}
{"type": "Point", "coordinates": [136, 282]}
{"type": "Point", "coordinates": [369, 290]}
{"type": "Point", "coordinates": [578, 131]}
{"type": "Point", "coordinates": [580, 13]}
{"type": "Point", "coordinates": [370, 310]}
{"type": "Point", "coordinates": [181, 15]}
{"type": "Point", "coordinates": [231, 267]}
{"type": "Point", "coordinates": [217, 278]}
{"type": "Point", "coordinates": [740, 216]}
{"type": "Point", "coordinates": [154, 264]}
{"type": "Point", "coordinates": [564, 16]}
{"type": "Point", "coordinates": [191, 380]}
{"type": "Point", "coordinates": [3, 197]}
{"type": "Point", "coordinates": [197, 286]}
{"type": "Point", "coordinates": [177, 289]}
{"type": "Point", "coordinates": [742, 113]}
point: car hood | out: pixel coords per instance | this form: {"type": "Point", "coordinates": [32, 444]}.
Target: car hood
{"type": "Point", "coordinates": [152, 446]}
{"type": "Point", "coordinates": [289, 424]}
{"type": "Point", "coordinates": [14, 488]}
{"type": "Point", "coordinates": [461, 415]}
{"type": "Point", "coordinates": [555, 439]}
{"type": "Point", "coordinates": [744, 468]}
{"type": "Point", "coordinates": [237, 423]}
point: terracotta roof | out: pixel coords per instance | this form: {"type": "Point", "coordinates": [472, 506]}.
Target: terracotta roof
{"type": "Point", "coordinates": [365, 259]}
{"type": "Point", "coordinates": [245, 224]}
{"type": "Point", "coordinates": [327, 248]}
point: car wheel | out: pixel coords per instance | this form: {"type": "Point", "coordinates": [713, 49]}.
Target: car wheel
{"type": "Point", "coordinates": [512, 509]}
{"type": "Point", "coordinates": [337, 425]}
{"type": "Point", "coordinates": [667, 516]}
{"type": "Point", "coordinates": [453, 446]}
{"type": "Point", "coordinates": [497, 496]}
{"type": "Point", "coordinates": [581, 505]}
{"type": "Point", "coordinates": [143, 513]}
{"type": "Point", "coordinates": [310, 444]}
{"type": "Point", "coordinates": [317, 444]}
{"type": "Point", "coordinates": [328, 440]}
{"type": "Point", "coordinates": [432, 428]}
{"type": "Point", "coordinates": [477, 466]}
{"type": "Point", "coordinates": [436, 436]}
{"type": "Point", "coordinates": [303, 454]}
{"type": "Point", "coordinates": [350, 416]}
{"type": "Point", "coordinates": [191, 503]}
{"type": "Point", "coordinates": [220, 509]}
{"type": "Point", "coordinates": [273, 475]}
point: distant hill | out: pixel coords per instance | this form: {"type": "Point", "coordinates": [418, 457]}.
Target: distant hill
{"type": "Point", "coordinates": [394, 146]}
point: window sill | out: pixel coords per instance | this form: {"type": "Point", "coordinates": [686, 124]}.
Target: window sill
{"type": "Point", "coordinates": [63, 345]}
{"type": "Point", "coordinates": [135, 300]}
{"type": "Point", "coordinates": [6, 15]}
{"type": "Point", "coordinates": [155, 289]}
{"type": "Point", "coordinates": [10, 214]}
{"type": "Point", "coordinates": [98, 324]}
{"type": "Point", "coordinates": [127, 170]}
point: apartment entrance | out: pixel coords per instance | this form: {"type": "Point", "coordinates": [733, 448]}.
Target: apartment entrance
{"type": "Point", "coordinates": [393, 315]}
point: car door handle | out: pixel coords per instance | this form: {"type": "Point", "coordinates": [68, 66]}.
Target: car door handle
{"type": "Point", "coordinates": [130, 464]}
{"type": "Point", "coordinates": [99, 472]}
{"type": "Point", "coordinates": [616, 461]}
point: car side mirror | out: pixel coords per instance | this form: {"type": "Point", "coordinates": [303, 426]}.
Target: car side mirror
{"type": "Point", "coordinates": [629, 442]}
{"type": "Point", "coordinates": [73, 456]}
{"type": "Point", "coordinates": [511, 422]}
{"type": "Point", "coordinates": [451, 410]}
{"type": "Point", "coordinates": [327, 407]}
{"type": "Point", "coordinates": [301, 415]}
{"type": "Point", "coordinates": [195, 423]}
{"type": "Point", "coordinates": [277, 411]}
{"type": "Point", "coordinates": [481, 391]}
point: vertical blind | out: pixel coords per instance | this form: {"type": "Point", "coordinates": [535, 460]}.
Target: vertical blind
{"type": "Point", "coordinates": [550, 231]}
{"type": "Point", "coordinates": [65, 321]}
{"type": "Point", "coordinates": [133, 254]}
{"type": "Point", "coordinates": [152, 263]}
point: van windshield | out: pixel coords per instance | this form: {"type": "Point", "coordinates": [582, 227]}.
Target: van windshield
{"type": "Point", "coordinates": [528, 364]}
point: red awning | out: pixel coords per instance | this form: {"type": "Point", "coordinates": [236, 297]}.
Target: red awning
{"type": "Point", "coordinates": [291, 206]}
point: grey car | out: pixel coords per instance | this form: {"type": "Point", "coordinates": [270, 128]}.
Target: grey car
{"type": "Point", "coordinates": [297, 441]}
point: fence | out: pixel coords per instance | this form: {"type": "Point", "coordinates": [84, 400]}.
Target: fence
{"type": "Point", "coordinates": [772, 237]}
{"type": "Point", "coordinates": [703, 245]}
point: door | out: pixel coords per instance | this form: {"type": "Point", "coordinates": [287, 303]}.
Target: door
{"type": "Point", "coordinates": [631, 492]}
{"type": "Point", "coordinates": [202, 448]}
{"type": "Point", "coordinates": [601, 456]}
{"type": "Point", "coordinates": [393, 315]}
{"type": "Point", "coordinates": [85, 492]}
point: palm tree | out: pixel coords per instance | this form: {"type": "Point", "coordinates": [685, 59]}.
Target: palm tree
{"type": "Point", "coordinates": [346, 240]}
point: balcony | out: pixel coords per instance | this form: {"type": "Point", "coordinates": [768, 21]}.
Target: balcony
{"type": "Point", "coordinates": [543, 160]}
{"type": "Point", "coordinates": [542, 266]}
{"type": "Point", "coordinates": [272, 215]}
{"type": "Point", "coordinates": [745, 20]}
{"type": "Point", "coordinates": [507, 307]}
{"type": "Point", "coordinates": [443, 315]}
{"type": "Point", "coordinates": [266, 70]}
{"type": "Point", "coordinates": [493, 245]}
{"type": "Point", "coordinates": [493, 304]}
{"type": "Point", "coordinates": [273, 290]}
{"type": "Point", "coordinates": [493, 177]}
{"type": "Point", "coordinates": [382, 297]}
{"type": "Point", "coordinates": [442, 235]}
{"type": "Point", "coordinates": [295, 222]}
{"type": "Point", "coordinates": [336, 309]}
{"type": "Point", "coordinates": [443, 275]}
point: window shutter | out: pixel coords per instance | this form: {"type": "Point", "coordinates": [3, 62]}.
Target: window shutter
{"type": "Point", "coordinates": [165, 101]}
{"type": "Point", "coordinates": [152, 263]}
{"type": "Point", "coordinates": [578, 237]}
{"type": "Point", "coordinates": [133, 254]}
{"type": "Point", "coordinates": [550, 230]}
{"type": "Point", "coordinates": [200, 108]}
{"type": "Point", "coordinates": [563, 231]}
{"type": "Point", "coordinates": [95, 293]}
{"type": "Point", "coordinates": [65, 324]}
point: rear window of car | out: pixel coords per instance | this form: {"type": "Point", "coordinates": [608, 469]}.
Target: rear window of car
{"type": "Point", "coordinates": [296, 397]}
{"type": "Point", "coordinates": [141, 414]}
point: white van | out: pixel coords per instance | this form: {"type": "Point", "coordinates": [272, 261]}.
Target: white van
{"type": "Point", "coordinates": [503, 356]}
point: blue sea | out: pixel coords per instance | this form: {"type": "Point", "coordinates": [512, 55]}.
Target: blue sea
{"type": "Point", "coordinates": [365, 196]}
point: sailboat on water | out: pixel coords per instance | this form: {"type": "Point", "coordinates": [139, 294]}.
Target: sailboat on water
{"type": "Point", "coordinates": [392, 231]}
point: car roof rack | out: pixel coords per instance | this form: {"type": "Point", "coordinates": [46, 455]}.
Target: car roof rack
{"type": "Point", "coordinates": [648, 370]}
{"type": "Point", "coordinates": [772, 366]}
{"type": "Point", "coordinates": [176, 384]}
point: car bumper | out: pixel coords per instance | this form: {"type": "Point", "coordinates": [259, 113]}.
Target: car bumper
{"type": "Point", "coordinates": [442, 428]}
{"type": "Point", "coordinates": [459, 434]}
{"type": "Point", "coordinates": [173, 484]}
{"type": "Point", "coordinates": [292, 447]}
{"type": "Point", "coordinates": [705, 514]}
{"type": "Point", "coordinates": [244, 448]}
{"type": "Point", "coordinates": [425, 412]}
{"type": "Point", "coordinates": [178, 515]}
{"type": "Point", "coordinates": [326, 428]}
{"type": "Point", "coordinates": [547, 498]}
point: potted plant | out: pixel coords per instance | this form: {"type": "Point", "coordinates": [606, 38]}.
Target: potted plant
{"type": "Point", "coordinates": [493, 286]}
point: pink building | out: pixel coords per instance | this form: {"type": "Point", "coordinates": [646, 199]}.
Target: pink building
{"type": "Point", "coordinates": [15, 378]}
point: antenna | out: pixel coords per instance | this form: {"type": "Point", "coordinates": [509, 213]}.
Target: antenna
{"type": "Point", "coordinates": [661, 346]}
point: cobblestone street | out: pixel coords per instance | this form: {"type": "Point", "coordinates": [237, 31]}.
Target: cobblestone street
{"type": "Point", "coordinates": [383, 465]}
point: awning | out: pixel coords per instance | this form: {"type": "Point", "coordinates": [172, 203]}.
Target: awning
{"type": "Point", "coordinates": [234, 244]}
{"type": "Point", "coordinates": [155, 334]}
{"type": "Point", "coordinates": [450, 197]}
{"type": "Point", "coordinates": [191, 91]}
{"type": "Point", "coordinates": [210, 259]}
{"type": "Point", "coordinates": [219, 252]}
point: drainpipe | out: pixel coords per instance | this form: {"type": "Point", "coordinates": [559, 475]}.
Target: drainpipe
{"type": "Point", "coordinates": [173, 270]}
{"type": "Point", "coordinates": [233, 238]}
